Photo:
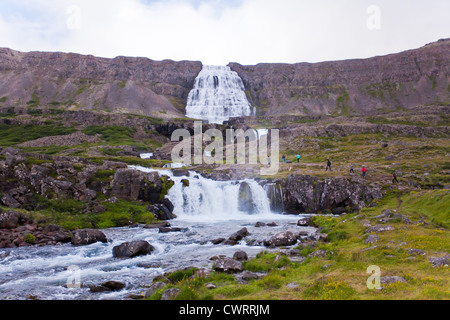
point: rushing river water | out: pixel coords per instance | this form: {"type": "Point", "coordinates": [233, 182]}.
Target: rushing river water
{"type": "Point", "coordinates": [205, 210]}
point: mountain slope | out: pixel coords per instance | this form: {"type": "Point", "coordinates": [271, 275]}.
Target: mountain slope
{"type": "Point", "coordinates": [123, 84]}
{"type": "Point", "coordinates": [363, 86]}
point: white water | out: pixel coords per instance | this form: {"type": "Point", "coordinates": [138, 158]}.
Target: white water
{"type": "Point", "coordinates": [218, 95]}
{"type": "Point", "coordinates": [206, 210]}
{"type": "Point", "coordinates": [208, 200]}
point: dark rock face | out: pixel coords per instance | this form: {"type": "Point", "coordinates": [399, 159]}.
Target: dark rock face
{"type": "Point", "coordinates": [307, 194]}
{"type": "Point", "coordinates": [245, 200]}
{"type": "Point", "coordinates": [132, 249]}
{"type": "Point", "coordinates": [88, 236]}
{"type": "Point", "coordinates": [407, 79]}
{"type": "Point", "coordinates": [134, 85]}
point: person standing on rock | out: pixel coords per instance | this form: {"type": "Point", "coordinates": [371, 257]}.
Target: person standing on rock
{"type": "Point", "coordinates": [284, 159]}
{"type": "Point", "coordinates": [351, 169]}
{"type": "Point", "coordinates": [394, 180]}
{"type": "Point", "coordinates": [364, 170]}
{"type": "Point", "coordinates": [328, 165]}
{"type": "Point", "coordinates": [298, 158]}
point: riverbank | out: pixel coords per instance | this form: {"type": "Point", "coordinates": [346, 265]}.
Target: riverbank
{"type": "Point", "coordinates": [406, 238]}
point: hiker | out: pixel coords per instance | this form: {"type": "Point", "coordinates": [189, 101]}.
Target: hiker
{"type": "Point", "coordinates": [395, 178]}
{"type": "Point", "coordinates": [364, 170]}
{"type": "Point", "coordinates": [284, 159]}
{"type": "Point", "coordinates": [351, 169]}
{"type": "Point", "coordinates": [328, 165]}
{"type": "Point", "coordinates": [298, 158]}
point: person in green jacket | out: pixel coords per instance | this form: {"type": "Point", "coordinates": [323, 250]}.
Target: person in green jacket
{"type": "Point", "coordinates": [298, 158]}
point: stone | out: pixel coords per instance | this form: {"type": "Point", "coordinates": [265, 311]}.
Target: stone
{"type": "Point", "coordinates": [9, 219]}
{"type": "Point", "coordinates": [379, 228]}
{"type": "Point", "coordinates": [170, 294]}
{"type": "Point", "coordinates": [285, 238]}
{"type": "Point", "coordinates": [372, 238]}
{"type": "Point", "coordinates": [180, 173]}
{"type": "Point", "coordinates": [10, 202]}
{"type": "Point", "coordinates": [114, 285]}
{"type": "Point", "coordinates": [167, 230]}
{"type": "Point", "coordinates": [210, 286]}
{"type": "Point", "coordinates": [440, 261]}
{"type": "Point", "coordinates": [319, 253]}
{"type": "Point", "coordinates": [132, 249]}
{"type": "Point", "coordinates": [240, 256]}
{"type": "Point", "coordinates": [87, 236]}
{"type": "Point", "coordinates": [292, 285]}
{"type": "Point", "coordinates": [416, 252]}
{"type": "Point", "coordinates": [239, 235]}
{"type": "Point", "coordinates": [217, 241]}
{"type": "Point", "coordinates": [304, 222]}
{"type": "Point", "coordinates": [227, 265]}
{"type": "Point", "coordinates": [153, 288]}
{"type": "Point", "coordinates": [259, 224]}
{"type": "Point", "coordinates": [164, 224]}
{"type": "Point", "coordinates": [392, 279]}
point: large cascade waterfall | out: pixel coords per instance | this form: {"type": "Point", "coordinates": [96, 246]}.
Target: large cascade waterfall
{"type": "Point", "coordinates": [213, 200]}
{"type": "Point", "coordinates": [218, 95]}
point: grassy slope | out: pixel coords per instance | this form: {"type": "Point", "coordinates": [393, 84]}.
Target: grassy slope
{"type": "Point", "coordinates": [342, 273]}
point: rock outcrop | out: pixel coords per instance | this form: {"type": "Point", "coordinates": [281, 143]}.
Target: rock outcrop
{"type": "Point", "coordinates": [62, 178]}
{"type": "Point", "coordinates": [363, 86]}
{"type": "Point", "coordinates": [307, 194]}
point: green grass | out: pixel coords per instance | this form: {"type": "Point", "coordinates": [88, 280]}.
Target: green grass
{"type": "Point", "coordinates": [11, 135]}
{"type": "Point", "coordinates": [433, 204]}
{"type": "Point", "coordinates": [342, 274]}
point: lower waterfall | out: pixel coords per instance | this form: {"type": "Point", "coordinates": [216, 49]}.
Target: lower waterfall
{"type": "Point", "coordinates": [195, 196]}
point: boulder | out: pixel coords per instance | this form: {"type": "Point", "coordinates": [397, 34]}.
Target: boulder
{"type": "Point", "coordinates": [239, 235]}
{"type": "Point", "coordinates": [392, 279]}
{"type": "Point", "coordinates": [379, 228]}
{"type": "Point", "coordinates": [372, 238]}
{"type": "Point", "coordinates": [132, 249]}
{"type": "Point", "coordinates": [240, 256]}
{"type": "Point", "coordinates": [285, 238]}
{"type": "Point", "coordinates": [180, 173]}
{"type": "Point", "coordinates": [9, 219]}
{"type": "Point", "coordinates": [304, 222]}
{"type": "Point", "coordinates": [168, 229]}
{"type": "Point", "coordinates": [88, 236]}
{"type": "Point", "coordinates": [114, 285]}
{"type": "Point", "coordinates": [440, 261]}
{"type": "Point", "coordinates": [170, 294]}
{"type": "Point", "coordinates": [228, 265]}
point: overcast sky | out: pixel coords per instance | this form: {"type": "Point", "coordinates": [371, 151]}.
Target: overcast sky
{"type": "Point", "coordinates": [220, 31]}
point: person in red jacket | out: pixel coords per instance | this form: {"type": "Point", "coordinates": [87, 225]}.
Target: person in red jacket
{"type": "Point", "coordinates": [364, 170]}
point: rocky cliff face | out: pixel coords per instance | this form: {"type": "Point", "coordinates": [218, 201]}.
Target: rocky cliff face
{"type": "Point", "coordinates": [364, 86]}
{"type": "Point", "coordinates": [122, 85]}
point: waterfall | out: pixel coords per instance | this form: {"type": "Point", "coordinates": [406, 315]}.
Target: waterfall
{"type": "Point", "coordinates": [218, 95]}
{"type": "Point", "coordinates": [195, 196]}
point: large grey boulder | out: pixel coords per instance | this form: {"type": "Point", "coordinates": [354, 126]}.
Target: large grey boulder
{"type": "Point", "coordinates": [87, 236]}
{"type": "Point", "coordinates": [285, 238]}
{"type": "Point", "coordinates": [228, 265]}
{"type": "Point", "coordinates": [132, 249]}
